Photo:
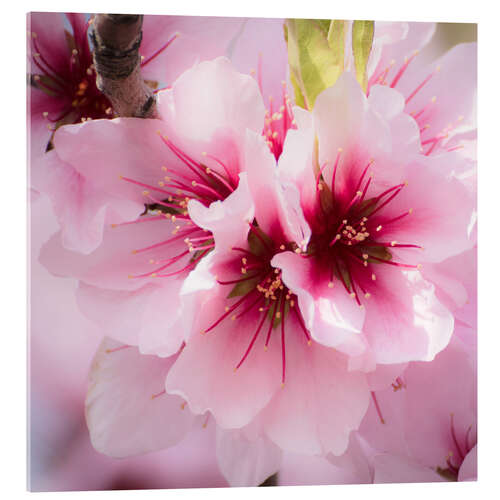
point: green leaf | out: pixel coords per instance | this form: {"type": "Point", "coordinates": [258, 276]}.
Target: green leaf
{"type": "Point", "coordinates": [362, 40]}
{"type": "Point", "coordinates": [315, 56]}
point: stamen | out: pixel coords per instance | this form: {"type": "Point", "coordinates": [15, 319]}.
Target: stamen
{"type": "Point", "coordinates": [403, 68]}
{"type": "Point", "coordinates": [252, 342]}
{"type": "Point", "coordinates": [283, 356]}
{"type": "Point", "coordinates": [377, 407]}
{"type": "Point", "coordinates": [159, 51]}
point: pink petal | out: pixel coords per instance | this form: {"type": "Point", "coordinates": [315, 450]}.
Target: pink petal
{"type": "Point", "coordinates": [356, 462]}
{"type": "Point", "coordinates": [80, 207]}
{"type": "Point", "coordinates": [227, 220]}
{"type": "Point", "coordinates": [394, 42]}
{"type": "Point", "coordinates": [331, 316]}
{"type": "Point", "coordinates": [96, 150]}
{"type": "Point", "coordinates": [198, 39]}
{"type": "Point", "coordinates": [204, 372]}
{"type": "Point", "coordinates": [251, 53]}
{"type": "Point", "coordinates": [454, 86]}
{"type": "Point", "coordinates": [296, 160]}
{"type": "Point", "coordinates": [397, 469]}
{"type": "Point", "coordinates": [404, 320]}
{"type": "Point", "coordinates": [305, 470]}
{"type": "Point", "coordinates": [277, 202]}
{"type": "Point", "coordinates": [227, 99]}
{"type": "Point", "coordinates": [116, 259]}
{"type": "Point", "coordinates": [441, 207]}
{"type": "Point", "coordinates": [117, 312]}
{"type": "Point", "coordinates": [321, 402]}
{"type": "Point", "coordinates": [245, 462]}
{"type": "Point", "coordinates": [123, 417]}
{"type": "Point", "coordinates": [468, 470]}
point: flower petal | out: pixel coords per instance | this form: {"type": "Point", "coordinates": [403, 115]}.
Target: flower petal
{"type": "Point", "coordinates": [321, 402]}
{"type": "Point", "coordinates": [123, 417]}
{"type": "Point", "coordinates": [204, 374]}
{"type": "Point", "coordinates": [332, 317]}
{"type": "Point", "coordinates": [245, 462]}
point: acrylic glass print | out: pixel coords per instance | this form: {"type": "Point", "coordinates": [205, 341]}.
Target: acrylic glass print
{"type": "Point", "coordinates": [253, 252]}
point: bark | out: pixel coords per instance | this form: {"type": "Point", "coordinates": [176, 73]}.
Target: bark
{"type": "Point", "coordinates": [116, 39]}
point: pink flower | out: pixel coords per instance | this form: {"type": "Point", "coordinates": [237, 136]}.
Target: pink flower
{"type": "Point", "coordinates": [201, 140]}
{"type": "Point", "coordinates": [377, 210]}
{"type": "Point", "coordinates": [435, 400]}
{"type": "Point", "coordinates": [440, 95]}
{"type": "Point", "coordinates": [63, 81]}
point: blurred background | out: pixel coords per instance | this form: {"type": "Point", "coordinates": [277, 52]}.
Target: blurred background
{"type": "Point", "coordinates": [61, 346]}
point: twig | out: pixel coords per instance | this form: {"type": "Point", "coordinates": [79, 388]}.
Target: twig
{"type": "Point", "coordinates": [116, 39]}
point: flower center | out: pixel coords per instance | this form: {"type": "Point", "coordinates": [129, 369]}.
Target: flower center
{"type": "Point", "coordinates": [347, 239]}
{"type": "Point", "coordinates": [169, 200]}
{"type": "Point", "coordinates": [72, 85]}
{"type": "Point", "coordinates": [261, 295]}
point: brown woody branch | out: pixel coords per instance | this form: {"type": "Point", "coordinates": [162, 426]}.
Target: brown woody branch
{"type": "Point", "coordinates": [116, 39]}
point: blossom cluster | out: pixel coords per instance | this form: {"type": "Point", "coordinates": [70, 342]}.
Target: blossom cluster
{"type": "Point", "coordinates": [298, 279]}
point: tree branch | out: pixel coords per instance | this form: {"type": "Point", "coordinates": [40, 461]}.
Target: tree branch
{"type": "Point", "coordinates": [116, 39]}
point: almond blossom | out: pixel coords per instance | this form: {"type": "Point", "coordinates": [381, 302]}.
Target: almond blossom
{"type": "Point", "coordinates": [440, 95]}
{"type": "Point", "coordinates": [378, 211]}
{"type": "Point", "coordinates": [201, 141]}
{"type": "Point", "coordinates": [62, 75]}
{"type": "Point", "coordinates": [436, 400]}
